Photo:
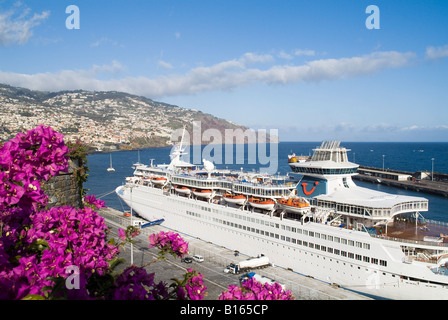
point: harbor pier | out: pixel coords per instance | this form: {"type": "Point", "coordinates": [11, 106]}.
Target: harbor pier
{"type": "Point", "coordinates": [420, 181]}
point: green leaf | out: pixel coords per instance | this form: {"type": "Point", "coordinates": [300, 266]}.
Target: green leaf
{"type": "Point", "coordinates": [33, 297]}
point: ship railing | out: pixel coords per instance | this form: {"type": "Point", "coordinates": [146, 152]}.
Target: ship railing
{"type": "Point", "coordinates": [440, 223]}
{"type": "Point", "coordinates": [415, 242]}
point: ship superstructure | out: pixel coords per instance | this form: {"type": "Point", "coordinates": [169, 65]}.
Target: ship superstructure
{"type": "Point", "coordinates": [322, 224]}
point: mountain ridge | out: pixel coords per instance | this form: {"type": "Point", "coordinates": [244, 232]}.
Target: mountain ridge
{"type": "Point", "coordinates": [103, 119]}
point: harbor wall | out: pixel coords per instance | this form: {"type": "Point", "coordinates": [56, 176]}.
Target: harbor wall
{"type": "Point", "coordinates": [63, 189]}
{"type": "Point", "coordinates": [420, 181]}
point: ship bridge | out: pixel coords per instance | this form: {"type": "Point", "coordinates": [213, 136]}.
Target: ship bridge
{"type": "Point", "coordinates": [329, 159]}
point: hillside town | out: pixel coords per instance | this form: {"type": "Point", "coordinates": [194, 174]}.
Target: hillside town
{"type": "Point", "coordinates": [104, 120]}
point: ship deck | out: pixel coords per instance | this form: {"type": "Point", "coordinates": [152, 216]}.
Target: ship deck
{"type": "Point", "coordinates": [408, 230]}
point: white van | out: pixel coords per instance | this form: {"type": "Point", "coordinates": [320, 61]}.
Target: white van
{"type": "Point", "coordinates": [198, 258]}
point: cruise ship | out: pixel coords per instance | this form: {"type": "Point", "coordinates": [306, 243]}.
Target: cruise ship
{"type": "Point", "coordinates": [315, 221]}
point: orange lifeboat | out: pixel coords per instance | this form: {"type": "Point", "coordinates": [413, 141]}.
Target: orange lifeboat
{"type": "Point", "coordinates": [237, 199]}
{"type": "Point", "coordinates": [294, 204]}
{"type": "Point", "coordinates": [182, 189]}
{"type": "Point", "coordinates": [158, 180]}
{"type": "Point", "coordinates": [266, 204]}
{"type": "Point", "coordinates": [203, 193]}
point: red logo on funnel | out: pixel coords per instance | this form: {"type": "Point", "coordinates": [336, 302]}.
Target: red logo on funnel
{"type": "Point", "coordinates": [311, 191]}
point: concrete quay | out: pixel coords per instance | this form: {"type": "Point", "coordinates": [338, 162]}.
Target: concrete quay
{"type": "Point", "coordinates": [216, 259]}
{"type": "Point", "coordinates": [404, 180]}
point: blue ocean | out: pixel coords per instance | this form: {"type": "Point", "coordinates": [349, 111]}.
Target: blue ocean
{"type": "Point", "coordinates": [400, 156]}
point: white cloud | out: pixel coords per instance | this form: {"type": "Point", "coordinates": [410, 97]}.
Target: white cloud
{"type": "Point", "coordinates": [285, 55]}
{"type": "Point", "coordinates": [165, 65]}
{"type": "Point", "coordinates": [224, 75]}
{"type": "Point", "coordinates": [437, 52]}
{"type": "Point", "coordinates": [306, 52]}
{"type": "Point", "coordinates": [17, 27]}
{"type": "Point", "coordinates": [105, 41]}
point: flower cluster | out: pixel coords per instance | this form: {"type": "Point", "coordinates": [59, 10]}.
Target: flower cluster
{"type": "Point", "coordinates": [56, 239]}
{"type": "Point", "coordinates": [254, 290]}
{"type": "Point", "coordinates": [36, 245]}
{"type": "Point", "coordinates": [169, 242]}
{"type": "Point", "coordinates": [134, 283]}
{"type": "Point", "coordinates": [195, 285]}
{"type": "Point", "coordinates": [26, 160]}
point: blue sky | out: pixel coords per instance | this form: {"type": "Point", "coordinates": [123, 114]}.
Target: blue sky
{"type": "Point", "coordinates": [311, 69]}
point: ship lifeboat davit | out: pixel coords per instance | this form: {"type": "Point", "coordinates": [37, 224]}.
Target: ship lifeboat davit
{"type": "Point", "coordinates": [182, 189]}
{"type": "Point", "coordinates": [294, 204]}
{"type": "Point", "coordinates": [158, 180]}
{"type": "Point", "coordinates": [203, 193]}
{"type": "Point", "coordinates": [265, 204]}
{"type": "Point", "coordinates": [238, 199]}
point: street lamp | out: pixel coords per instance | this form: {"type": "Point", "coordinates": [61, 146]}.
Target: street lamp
{"type": "Point", "coordinates": [432, 170]}
{"type": "Point", "coordinates": [383, 161]}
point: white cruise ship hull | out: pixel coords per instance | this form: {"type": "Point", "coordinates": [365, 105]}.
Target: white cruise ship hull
{"type": "Point", "coordinates": [356, 261]}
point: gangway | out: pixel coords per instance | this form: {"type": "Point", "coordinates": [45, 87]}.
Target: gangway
{"type": "Point", "coordinates": [152, 223]}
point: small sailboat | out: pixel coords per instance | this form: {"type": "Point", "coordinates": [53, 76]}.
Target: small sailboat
{"type": "Point", "coordinates": [110, 169]}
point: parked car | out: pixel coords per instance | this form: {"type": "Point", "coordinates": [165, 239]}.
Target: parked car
{"type": "Point", "coordinates": [187, 260]}
{"type": "Point", "coordinates": [198, 258]}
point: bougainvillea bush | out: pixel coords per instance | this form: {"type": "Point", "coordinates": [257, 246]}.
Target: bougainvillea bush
{"type": "Point", "coordinates": [42, 249]}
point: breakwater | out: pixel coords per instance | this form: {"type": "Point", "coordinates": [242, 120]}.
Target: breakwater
{"type": "Point", "coordinates": [420, 181]}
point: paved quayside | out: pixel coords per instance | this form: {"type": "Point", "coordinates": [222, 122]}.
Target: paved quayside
{"type": "Point", "coordinates": [216, 258]}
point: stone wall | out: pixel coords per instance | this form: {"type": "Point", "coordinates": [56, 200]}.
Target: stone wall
{"type": "Point", "coordinates": [63, 189]}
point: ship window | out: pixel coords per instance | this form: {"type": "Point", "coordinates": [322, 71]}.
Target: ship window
{"type": "Point", "coordinates": [358, 257]}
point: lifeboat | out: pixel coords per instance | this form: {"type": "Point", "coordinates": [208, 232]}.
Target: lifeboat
{"type": "Point", "coordinates": [265, 204]}
{"type": "Point", "coordinates": [203, 193]}
{"type": "Point", "coordinates": [294, 204]}
{"type": "Point", "coordinates": [158, 180]}
{"type": "Point", "coordinates": [237, 199]}
{"type": "Point", "coordinates": [182, 189]}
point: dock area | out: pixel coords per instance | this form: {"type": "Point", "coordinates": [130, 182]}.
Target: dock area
{"type": "Point", "coordinates": [216, 259]}
{"type": "Point", "coordinates": [420, 181]}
